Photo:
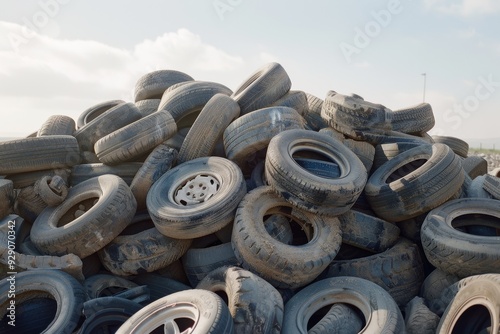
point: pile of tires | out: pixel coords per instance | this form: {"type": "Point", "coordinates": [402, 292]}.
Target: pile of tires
{"type": "Point", "coordinates": [198, 209]}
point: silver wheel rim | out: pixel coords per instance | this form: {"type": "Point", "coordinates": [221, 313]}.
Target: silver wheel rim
{"type": "Point", "coordinates": [166, 318]}
{"type": "Point", "coordinates": [196, 190]}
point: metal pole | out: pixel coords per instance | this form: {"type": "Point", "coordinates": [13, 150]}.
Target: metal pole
{"type": "Point", "coordinates": [425, 79]}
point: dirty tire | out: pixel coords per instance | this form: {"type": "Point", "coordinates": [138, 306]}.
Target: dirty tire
{"type": "Point", "coordinates": [435, 283]}
{"type": "Point", "coordinates": [208, 127]}
{"type": "Point", "coordinates": [6, 197]}
{"type": "Point", "coordinates": [109, 121]}
{"type": "Point", "coordinates": [64, 289]}
{"type": "Point", "coordinates": [57, 125]}
{"type": "Point", "coordinates": [153, 84]}
{"type": "Point", "coordinates": [255, 305]}
{"type": "Point", "coordinates": [104, 285]}
{"type": "Point", "coordinates": [492, 186]}
{"type": "Point", "coordinates": [207, 312]}
{"type": "Point", "coordinates": [284, 266]}
{"type": "Point", "coordinates": [29, 204]}
{"type": "Point", "coordinates": [51, 189]}
{"type": "Point", "coordinates": [23, 180]}
{"type": "Point", "coordinates": [295, 99]}
{"type": "Point", "coordinates": [93, 112]}
{"type": "Point", "coordinates": [414, 182]}
{"type": "Point", "coordinates": [313, 113]}
{"type": "Point", "coordinates": [146, 250]}
{"type": "Point", "coordinates": [253, 131]}
{"type": "Point", "coordinates": [262, 88]}
{"type": "Point", "coordinates": [386, 151]}
{"type": "Point", "coordinates": [457, 252]}
{"type": "Point", "coordinates": [199, 262]}
{"type": "Point", "coordinates": [47, 152]}
{"type": "Point", "coordinates": [381, 314]}
{"type": "Point", "coordinates": [173, 205]}
{"type": "Point", "coordinates": [158, 162]}
{"type": "Point", "coordinates": [402, 261]}
{"type": "Point", "coordinates": [57, 232]}
{"type": "Point", "coordinates": [329, 196]}
{"type": "Point", "coordinates": [417, 119]}
{"type": "Point", "coordinates": [419, 319]}
{"type": "Point", "coordinates": [475, 166]}
{"type": "Point", "coordinates": [340, 319]}
{"type": "Point", "coordinates": [364, 151]}
{"type": "Point", "coordinates": [474, 308]}
{"type": "Point", "coordinates": [84, 172]}
{"type": "Point", "coordinates": [147, 107]}
{"type": "Point", "coordinates": [367, 232]}
{"type": "Point", "coordinates": [458, 146]}
{"type": "Point", "coordinates": [159, 286]}
{"type": "Point", "coordinates": [135, 139]}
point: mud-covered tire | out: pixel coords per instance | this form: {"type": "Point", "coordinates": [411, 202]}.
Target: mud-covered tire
{"type": "Point", "coordinates": [38, 153]}
{"type": "Point", "coordinates": [57, 125]}
{"type": "Point", "coordinates": [57, 232]}
{"type": "Point", "coordinates": [329, 196]}
{"type": "Point", "coordinates": [255, 305]}
{"type": "Point", "coordinates": [457, 252]}
{"type": "Point", "coordinates": [381, 314]}
{"type": "Point", "coordinates": [135, 139]}
{"type": "Point", "coordinates": [262, 88]}
{"type": "Point", "coordinates": [284, 266]}
{"type": "Point", "coordinates": [178, 213]}
{"type": "Point", "coordinates": [63, 288]}
{"type": "Point", "coordinates": [399, 270]}
{"type": "Point", "coordinates": [152, 85]}
{"type": "Point", "coordinates": [414, 182]}
{"type": "Point", "coordinates": [207, 312]}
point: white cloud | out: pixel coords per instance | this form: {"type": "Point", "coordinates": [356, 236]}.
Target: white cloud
{"type": "Point", "coordinates": [39, 70]}
{"type": "Point", "coordinates": [464, 8]}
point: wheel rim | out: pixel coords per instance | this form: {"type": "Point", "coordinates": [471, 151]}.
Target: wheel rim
{"type": "Point", "coordinates": [196, 190]}
{"type": "Point", "coordinates": [178, 318]}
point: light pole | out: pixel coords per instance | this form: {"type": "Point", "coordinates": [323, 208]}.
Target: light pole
{"type": "Point", "coordinates": [425, 79]}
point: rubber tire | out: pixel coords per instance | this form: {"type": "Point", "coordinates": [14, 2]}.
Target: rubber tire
{"type": "Point", "coordinates": [363, 150]}
{"type": "Point", "coordinates": [208, 127]}
{"type": "Point", "coordinates": [284, 266]}
{"type": "Point", "coordinates": [419, 319]}
{"type": "Point", "coordinates": [416, 119]}
{"type": "Point", "coordinates": [199, 262]}
{"type": "Point", "coordinates": [147, 107]}
{"type": "Point", "coordinates": [456, 252]}
{"type": "Point", "coordinates": [212, 313]}
{"type": "Point", "coordinates": [84, 172]}
{"type": "Point", "coordinates": [57, 125]}
{"type": "Point", "coordinates": [135, 139]}
{"type": "Point", "coordinates": [152, 85]}
{"type": "Point", "coordinates": [192, 221]}
{"type": "Point", "coordinates": [475, 166]}
{"type": "Point", "coordinates": [380, 312]}
{"type": "Point", "coordinates": [253, 131]}
{"type": "Point", "coordinates": [387, 151]}
{"type": "Point", "coordinates": [399, 270]}
{"type": "Point", "coordinates": [28, 204]}
{"type": "Point", "coordinates": [313, 113]}
{"type": "Point", "coordinates": [159, 286]}
{"type": "Point", "coordinates": [64, 289]}
{"type": "Point", "coordinates": [94, 229]}
{"type": "Point", "coordinates": [340, 319]}
{"type": "Point", "coordinates": [255, 305]}
{"type": "Point", "coordinates": [51, 189]}
{"type": "Point", "coordinates": [295, 99]}
{"type": "Point", "coordinates": [262, 88]}
{"type": "Point", "coordinates": [328, 196]}
{"type": "Point", "coordinates": [104, 285]}
{"type": "Point", "coordinates": [158, 162]}
{"type": "Point", "coordinates": [458, 146]}
{"type": "Point", "coordinates": [144, 251]}
{"type": "Point", "coordinates": [109, 121]}
{"type": "Point", "coordinates": [38, 153]}
{"type": "Point", "coordinates": [367, 232]}
{"type": "Point", "coordinates": [93, 112]}
{"type": "Point", "coordinates": [462, 314]}
{"type": "Point", "coordinates": [7, 197]}
{"type": "Point", "coordinates": [492, 186]}
{"type": "Point", "coordinates": [435, 283]}
{"type": "Point", "coordinates": [424, 188]}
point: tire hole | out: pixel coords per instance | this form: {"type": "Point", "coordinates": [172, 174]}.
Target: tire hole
{"type": "Point", "coordinates": [69, 215]}
{"type": "Point", "coordinates": [477, 224]}
{"type": "Point", "coordinates": [475, 319]}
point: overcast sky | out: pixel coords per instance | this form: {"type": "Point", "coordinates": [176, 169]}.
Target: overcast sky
{"type": "Point", "coordinates": [63, 56]}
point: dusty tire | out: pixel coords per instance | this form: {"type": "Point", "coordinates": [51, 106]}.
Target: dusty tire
{"type": "Point", "coordinates": [178, 213]}
{"type": "Point", "coordinates": [51, 189]}
{"type": "Point", "coordinates": [93, 112]}
{"type": "Point", "coordinates": [313, 113]}
{"type": "Point", "coordinates": [402, 261]}
{"type": "Point", "coordinates": [363, 150]}
{"type": "Point", "coordinates": [457, 252]}
{"type": "Point", "coordinates": [255, 305]}
{"type": "Point", "coordinates": [419, 319]}
{"type": "Point", "coordinates": [6, 197]}
{"type": "Point", "coordinates": [104, 285]}
{"type": "Point", "coordinates": [340, 319]}
{"type": "Point", "coordinates": [153, 84]}
{"type": "Point", "coordinates": [329, 196]}
{"type": "Point", "coordinates": [262, 88]}
{"type": "Point", "coordinates": [475, 307]}
{"type": "Point", "coordinates": [147, 107]}
{"type": "Point", "coordinates": [458, 146]}
{"type": "Point", "coordinates": [208, 127]}
{"type": "Point", "coordinates": [135, 139]}
{"type": "Point", "coordinates": [109, 121]}
{"type": "Point", "coordinates": [207, 314]}
{"type": "Point", "coordinates": [84, 172]}
{"type": "Point", "coordinates": [417, 119]}
{"type": "Point", "coordinates": [381, 314]}
{"type": "Point", "coordinates": [159, 286]}
{"type": "Point", "coordinates": [475, 166]}
{"type": "Point", "coordinates": [414, 182]}
{"type": "Point", "coordinates": [295, 99]}
{"type": "Point", "coordinates": [435, 283]}
{"type": "Point", "coordinates": [492, 186]}
{"type": "Point", "coordinates": [57, 232]}
{"type": "Point", "coordinates": [141, 248]}
{"type": "Point", "coordinates": [64, 289]}
{"type": "Point", "coordinates": [38, 153]}
{"type": "Point", "coordinates": [284, 266]}
{"type": "Point", "coordinates": [57, 125]}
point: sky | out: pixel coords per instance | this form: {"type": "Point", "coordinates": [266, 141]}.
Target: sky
{"type": "Point", "coordinates": [64, 56]}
